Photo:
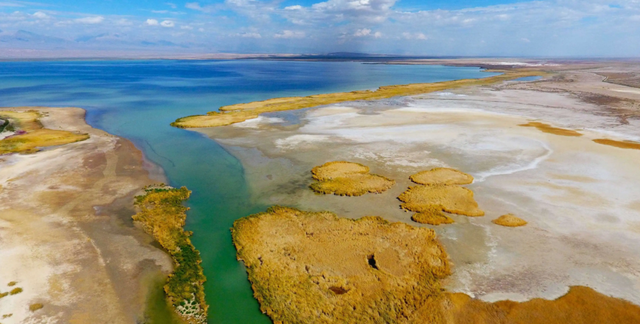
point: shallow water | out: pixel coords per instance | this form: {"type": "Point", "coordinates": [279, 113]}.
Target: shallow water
{"type": "Point", "coordinates": [139, 99]}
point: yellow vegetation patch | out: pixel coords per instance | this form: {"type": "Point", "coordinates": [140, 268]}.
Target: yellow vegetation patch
{"type": "Point", "coordinates": [546, 128]}
{"type": "Point", "coordinates": [452, 199]}
{"type": "Point", "coordinates": [30, 135]}
{"type": "Point", "coordinates": [348, 179]}
{"type": "Point", "coordinates": [35, 307]}
{"type": "Point", "coordinates": [442, 176]}
{"type": "Point", "coordinates": [241, 112]}
{"type": "Point", "coordinates": [434, 216]}
{"type": "Point", "coordinates": [619, 144]}
{"type": "Point", "coordinates": [162, 215]}
{"type": "Point", "coordinates": [318, 268]}
{"type": "Point", "coordinates": [509, 220]}
{"type": "Point", "coordinates": [579, 305]}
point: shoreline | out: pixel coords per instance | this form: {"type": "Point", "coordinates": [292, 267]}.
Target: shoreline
{"type": "Point", "coordinates": [66, 238]}
{"type": "Point", "coordinates": [228, 115]}
{"type": "Point", "coordinates": [270, 143]}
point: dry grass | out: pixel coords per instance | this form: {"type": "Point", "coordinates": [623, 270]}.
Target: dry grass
{"type": "Point", "coordinates": [237, 113]}
{"type": "Point", "coordinates": [452, 199]}
{"type": "Point", "coordinates": [11, 284]}
{"type": "Point", "coordinates": [318, 268]}
{"type": "Point", "coordinates": [31, 135]}
{"type": "Point", "coordinates": [162, 214]}
{"type": "Point", "coordinates": [348, 179]}
{"type": "Point", "coordinates": [442, 176]}
{"type": "Point", "coordinates": [546, 128]}
{"type": "Point", "coordinates": [15, 291]}
{"type": "Point", "coordinates": [619, 144]}
{"type": "Point", "coordinates": [434, 216]}
{"type": "Point", "coordinates": [35, 307]}
{"type": "Point", "coordinates": [579, 305]}
{"type": "Point", "coordinates": [509, 220]}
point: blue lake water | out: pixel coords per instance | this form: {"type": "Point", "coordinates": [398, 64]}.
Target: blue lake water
{"type": "Point", "coordinates": [139, 99]}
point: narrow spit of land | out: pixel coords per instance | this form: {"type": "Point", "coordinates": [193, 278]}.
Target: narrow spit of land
{"type": "Point", "coordinates": [162, 215]}
{"type": "Point", "coordinates": [240, 112]}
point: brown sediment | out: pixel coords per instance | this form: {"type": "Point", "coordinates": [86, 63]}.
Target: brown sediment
{"type": "Point", "coordinates": [452, 199]}
{"type": "Point", "coordinates": [348, 179]}
{"type": "Point", "coordinates": [442, 176]}
{"type": "Point", "coordinates": [618, 144]}
{"type": "Point", "coordinates": [31, 135]}
{"type": "Point", "coordinates": [240, 112]}
{"type": "Point", "coordinates": [318, 268]}
{"type": "Point", "coordinates": [509, 220]}
{"type": "Point", "coordinates": [433, 216]}
{"type": "Point", "coordinates": [546, 128]}
{"type": "Point", "coordinates": [580, 305]}
{"type": "Point", "coordinates": [162, 215]}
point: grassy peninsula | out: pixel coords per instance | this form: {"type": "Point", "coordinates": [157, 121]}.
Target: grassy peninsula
{"type": "Point", "coordinates": [162, 214]}
{"type": "Point", "coordinates": [240, 112]}
{"type": "Point", "coordinates": [25, 133]}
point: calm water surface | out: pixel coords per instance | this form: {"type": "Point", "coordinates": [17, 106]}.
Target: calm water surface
{"type": "Point", "coordinates": [139, 99]}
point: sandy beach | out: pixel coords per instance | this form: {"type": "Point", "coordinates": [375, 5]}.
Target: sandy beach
{"type": "Point", "coordinates": [66, 235]}
{"type": "Point", "coordinates": [576, 195]}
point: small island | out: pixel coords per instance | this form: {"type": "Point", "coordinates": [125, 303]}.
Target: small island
{"type": "Point", "coordinates": [348, 179]}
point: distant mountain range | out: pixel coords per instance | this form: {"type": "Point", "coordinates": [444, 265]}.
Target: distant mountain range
{"type": "Point", "coordinates": [26, 39]}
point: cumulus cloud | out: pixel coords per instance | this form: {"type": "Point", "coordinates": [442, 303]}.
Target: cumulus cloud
{"type": "Point", "coordinates": [187, 27]}
{"type": "Point", "coordinates": [40, 15]}
{"type": "Point", "coordinates": [151, 22]}
{"type": "Point", "coordinates": [90, 20]}
{"type": "Point", "coordinates": [296, 7]}
{"type": "Point", "coordinates": [362, 32]}
{"type": "Point", "coordinates": [167, 23]}
{"type": "Point", "coordinates": [290, 34]}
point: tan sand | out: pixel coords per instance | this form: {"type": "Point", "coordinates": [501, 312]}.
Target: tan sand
{"type": "Point", "coordinates": [67, 238]}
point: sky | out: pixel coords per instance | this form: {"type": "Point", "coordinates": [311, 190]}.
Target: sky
{"type": "Point", "coordinates": [548, 28]}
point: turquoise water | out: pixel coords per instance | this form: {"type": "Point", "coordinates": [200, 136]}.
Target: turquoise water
{"type": "Point", "coordinates": [139, 99]}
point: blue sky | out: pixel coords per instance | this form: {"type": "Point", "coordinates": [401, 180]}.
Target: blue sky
{"type": "Point", "coordinates": [468, 27]}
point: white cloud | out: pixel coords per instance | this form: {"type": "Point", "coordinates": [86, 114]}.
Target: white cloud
{"type": "Point", "coordinates": [377, 34]}
{"type": "Point", "coordinates": [250, 35]}
{"type": "Point", "coordinates": [526, 40]}
{"type": "Point", "coordinates": [172, 5]}
{"type": "Point", "coordinates": [290, 34]}
{"type": "Point", "coordinates": [40, 15]}
{"type": "Point", "coordinates": [187, 27]}
{"type": "Point", "coordinates": [296, 7]}
{"type": "Point", "coordinates": [198, 7]}
{"type": "Point", "coordinates": [362, 32]}
{"type": "Point", "coordinates": [167, 23]}
{"type": "Point", "coordinates": [151, 22]}
{"type": "Point", "coordinates": [160, 11]}
{"type": "Point", "coordinates": [90, 20]}
{"type": "Point", "coordinates": [123, 22]}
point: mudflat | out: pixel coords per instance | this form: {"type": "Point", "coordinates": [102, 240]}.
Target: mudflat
{"type": "Point", "coordinates": [68, 242]}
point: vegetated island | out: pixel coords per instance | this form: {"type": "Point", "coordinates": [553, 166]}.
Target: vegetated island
{"type": "Point", "coordinates": [309, 267]}
{"type": "Point", "coordinates": [318, 268]}
{"type": "Point", "coordinates": [348, 179]}
{"type": "Point", "coordinates": [509, 220]}
{"type": "Point", "coordinates": [439, 191]}
{"type": "Point", "coordinates": [162, 214]}
{"type": "Point", "coordinates": [232, 114]}
{"type": "Point", "coordinates": [22, 132]}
